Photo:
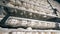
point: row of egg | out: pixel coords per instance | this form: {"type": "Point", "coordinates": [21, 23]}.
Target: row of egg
{"type": "Point", "coordinates": [32, 32]}
{"type": "Point", "coordinates": [35, 32]}
{"type": "Point", "coordinates": [30, 23]}
{"type": "Point", "coordinates": [31, 7]}
{"type": "Point", "coordinates": [18, 2]}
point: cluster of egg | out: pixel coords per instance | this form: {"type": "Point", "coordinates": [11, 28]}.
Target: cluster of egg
{"type": "Point", "coordinates": [40, 6]}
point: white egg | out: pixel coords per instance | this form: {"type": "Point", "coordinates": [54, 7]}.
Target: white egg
{"type": "Point", "coordinates": [12, 22]}
{"type": "Point", "coordinates": [29, 28]}
{"type": "Point", "coordinates": [10, 5]}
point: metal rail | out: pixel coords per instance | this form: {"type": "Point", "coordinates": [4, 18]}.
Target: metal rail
{"type": "Point", "coordinates": [18, 22]}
